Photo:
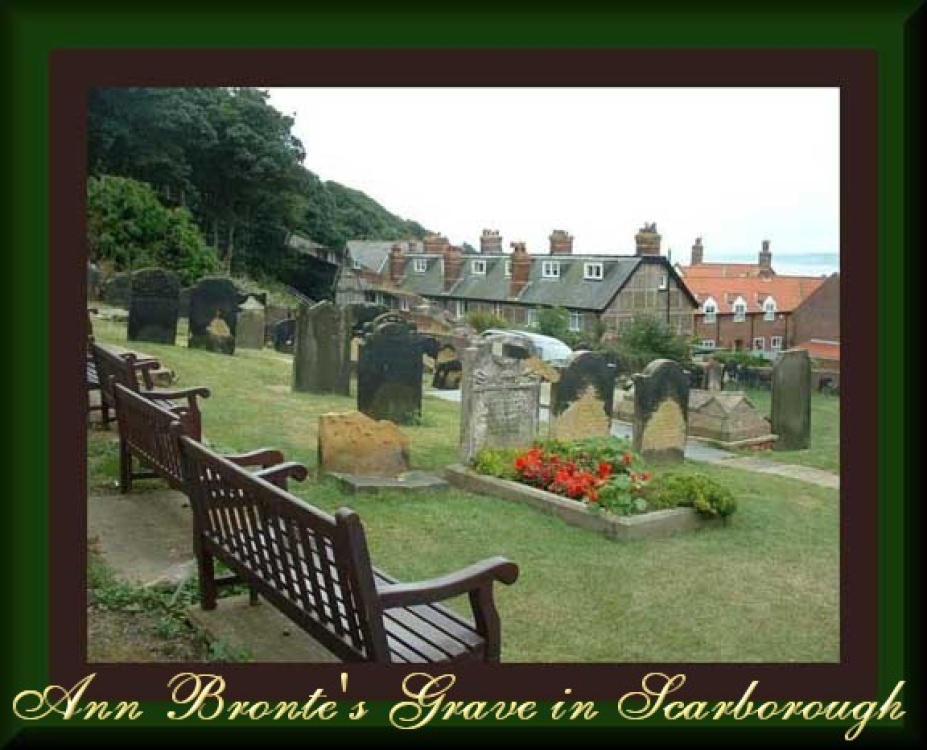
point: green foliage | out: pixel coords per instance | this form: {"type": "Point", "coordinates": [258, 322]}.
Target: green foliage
{"type": "Point", "coordinates": [496, 462]}
{"type": "Point", "coordinates": [555, 321]}
{"type": "Point", "coordinates": [129, 226]}
{"type": "Point", "coordinates": [708, 496]}
{"type": "Point", "coordinates": [742, 358]}
{"type": "Point", "coordinates": [647, 338]}
{"type": "Point", "coordinates": [482, 320]}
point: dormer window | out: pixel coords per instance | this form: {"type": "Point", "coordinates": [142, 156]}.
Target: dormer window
{"type": "Point", "coordinates": [710, 308]}
{"type": "Point", "coordinates": [420, 265]}
{"type": "Point", "coordinates": [357, 264]}
{"type": "Point", "coordinates": [508, 268]}
{"type": "Point", "coordinates": [550, 269]}
{"type": "Point", "coordinates": [769, 309]}
{"type": "Point", "coordinates": [593, 271]}
{"type": "Point", "coordinates": [740, 310]}
{"type": "Point", "coordinates": [478, 267]}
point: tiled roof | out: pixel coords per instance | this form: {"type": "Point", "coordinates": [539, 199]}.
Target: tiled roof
{"type": "Point", "coordinates": [372, 254]}
{"type": "Point", "coordinates": [788, 291]}
{"type": "Point", "coordinates": [818, 349]}
{"type": "Point", "coordinates": [570, 290]}
{"type": "Point", "coordinates": [722, 270]}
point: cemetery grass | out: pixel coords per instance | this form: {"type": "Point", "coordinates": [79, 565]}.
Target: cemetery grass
{"type": "Point", "coordinates": [764, 588]}
{"type": "Point", "coordinates": [824, 452]}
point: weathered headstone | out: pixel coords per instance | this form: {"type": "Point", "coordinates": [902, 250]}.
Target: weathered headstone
{"type": "Point", "coordinates": [791, 400]}
{"type": "Point", "coordinates": [214, 305]}
{"type": "Point", "coordinates": [581, 400]}
{"type": "Point", "coordinates": [285, 335]}
{"type": "Point", "coordinates": [661, 408]}
{"type": "Point", "coordinates": [448, 369]}
{"type": "Point", "coordinates": [714, 373]}
{"type": "Point", "coordinates": [250, 332]}
{"type": "Point", "coordinates": [729, 418]}
{"type": "Point", "coordinates": [117, 290]}
{"type": "Point", "coordinates": [153, 307]}
{"type": "Point", "coordinates": [355, 317]}
{"type": "Point", "coordinates": [500, 397]}
{"type": "Point", "coordinates": [353, 443]}
{"type": "Point", "coordinates": [317, 356]}
{"type": "Point", "coordinates": [94, 281]}
{"type": "Point", "coordinates": [389, 370]}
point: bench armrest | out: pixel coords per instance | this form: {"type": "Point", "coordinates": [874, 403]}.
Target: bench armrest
{"type": "Point", "coordinates": [188, 393]}
{"type": "Point", "coordinates": [278, 475]}
{"type": "Point", "coordinates": [480, 575]}
{"type": "Point", "coordinates": [263, 457]}
{"type": "Point", "coordinates": [146, 366]}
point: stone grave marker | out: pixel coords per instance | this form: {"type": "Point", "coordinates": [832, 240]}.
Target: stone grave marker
{"type": "Point", "coordinates": [728, 418]}
{"type": "Point", "coordinates": [117, 290]}
{"type": "Point", "coordinates": [581, 400]}
{"type": "Point", "coordinates": [250, 332]}
{"type": "Point", "coordinates": [355, 317]}
{"type": "Point", "coordinates": [284, 335]}
{"type": "Point", "coordinates": [390, 370]}
{"type": "Point", "coordinates": [94, 281]}
{"type": "Point", "coordinates": [791, 400]}
{"type": "Point", "coordinates": [500, 396]}
{"type": "Point", "coordinates": [214, 305]}
{"type": "Point", "coordinates": [714, 374]}
{"type": "Point", "coordinates": [661, 408]}
{"type": "Point", "coordinates": [448, 369]}
{"type": "Point", "coordinates": [353, 443]}
{"type": "Point", "coordinates": [154, 306]}
{"type": "Point", "coordinates": [317, 354]}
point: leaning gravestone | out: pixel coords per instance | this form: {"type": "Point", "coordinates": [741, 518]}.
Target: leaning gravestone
{"type": "Point", "coordinates": [214, 305]}
{"type": "Point", "coordinates": [317, 360]}
{"type": "Point", "coordinates": [389, 370]}
{"type": "Point", "coordinates": [661, 409]}
{"type": "Point", "coordinates": [154, 306]}
{"type": "Point", "coordinates": [285, 335]}
{"type": "Point", "coordinates": [500, 397]}
{"type": "Point", "coordinates": [581, 400]}
{"type": "Point", "coordinates": [250, 332]}
{"type": "Point", "coordinates": [355, 317]}
{"type": "Point", "coordinates": [791, 400]}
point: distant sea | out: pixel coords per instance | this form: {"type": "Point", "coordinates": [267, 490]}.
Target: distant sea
{"type": "Point", "coordinates": [809, 264]}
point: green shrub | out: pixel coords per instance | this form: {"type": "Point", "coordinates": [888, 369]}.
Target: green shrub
{"type": "Point", "coordinates": [481, 320]}
{"type": "Point", "coordinates": [496, 462]}
{"type": "Point", "coordinates": [706, 495]}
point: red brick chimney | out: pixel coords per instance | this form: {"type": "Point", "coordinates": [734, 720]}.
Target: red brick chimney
{"type": "Point", "coordinates": [490, 242]}
{"type": "Point", "coordinates": [453, 266]}
{"type": "Point", "coordinates": [561, 242]}
{"type": "Point", "coordinates": [434, 244]}
{"type": "Point", "coordinates": [765, 260]}
{"type": "Point", "coordinates": [698, 251]}
{"type": "Point", "coordinates": [648, 240]}
{"type": "Point", "coordinates": [521, 269]}
{"type": "Point", "coordinates": [397, 263]}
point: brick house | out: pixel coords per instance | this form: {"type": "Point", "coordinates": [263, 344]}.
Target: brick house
{"type": "Point", "coordinates": [816, 325]}
{"type": "Point", "coordinates": [515, 285]}
{"type": "Point", "coordinates": [745, 306]}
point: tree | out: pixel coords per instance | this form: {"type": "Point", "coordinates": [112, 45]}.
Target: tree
{"type": "Point", "coordinates": [128, 226]}
{"type": "Point", "coordinates": [647, 338]}
{"type": "Point", "coordinates": [555, 321]}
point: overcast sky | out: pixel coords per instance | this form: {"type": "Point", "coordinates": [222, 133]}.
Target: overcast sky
{"type": "Point", "coordinates": [734, 166]}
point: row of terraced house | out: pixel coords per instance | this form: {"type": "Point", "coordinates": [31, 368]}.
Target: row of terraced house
{"type": "Point", "coordinates": [734, 306]}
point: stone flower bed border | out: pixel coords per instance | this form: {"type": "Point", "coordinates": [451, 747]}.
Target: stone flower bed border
{"type": "Point", "coordinates": [658, 523]}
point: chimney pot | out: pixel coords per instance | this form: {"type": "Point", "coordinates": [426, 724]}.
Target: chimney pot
{"type": "Point", "coordinates": [647, 240]}
{"type": "Point", "coordinates": [561, 242]}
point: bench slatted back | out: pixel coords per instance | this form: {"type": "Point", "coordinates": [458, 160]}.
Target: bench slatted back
{"type": "Point", "coordinates": [146, 428]}
{"type": "Point", "coordinates": [112, 367]}
{"type": "Point", "coordinates": [314, 566]}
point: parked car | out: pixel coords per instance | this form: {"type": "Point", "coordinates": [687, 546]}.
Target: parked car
{"type": "Point", "coordinates": [551, 350]}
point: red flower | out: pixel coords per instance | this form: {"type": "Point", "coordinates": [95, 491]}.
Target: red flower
{"type": "Point", "coordinates": [626, 458]}
{"type": "Point", "coordinates": [645, 476]}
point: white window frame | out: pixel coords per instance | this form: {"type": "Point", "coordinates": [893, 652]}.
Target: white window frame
{"type": "Point", "coordinates": [550, 269]}
{"type": "Point", "coordinates": [478, 267]}
{"type": "Point", "coordinates": [404, 304]}
{"type": "Point", "coordinates": [775, 343]}
{"type": "Point", "coordinates": [460, 307]}
{"type": "Point", "coordinates": [531, 317]}
{"type": "Point", "coordinates": [508, 268]}
{"type": "Point", "coordinates": [707, 343]}
{"type": "Point", "coordinates": [664, 283]}
{"type": "Point", "coordinates": [497, 309]}
{"type": "Point", "coordinates": [739, 308]}
{"type": "Point", "coordinates": [420, 265]}
{"type": "Point", "coordinates": [356, 264]}
{"type": "Point", "coordinates": [576, 322]}
{"type": "Point", "coordinates": [593, 271]}
{"type": "Point", "coordinates": [769, 309]}
{"type": "Point", "coordinates": [710, 308]}
{"type": "Point", "coordinates": [762, 342]}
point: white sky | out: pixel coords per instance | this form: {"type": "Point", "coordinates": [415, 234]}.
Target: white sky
{"type": "Point", "coordinates": [734, 165]}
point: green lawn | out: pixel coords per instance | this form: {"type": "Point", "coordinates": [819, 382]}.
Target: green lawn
{"type": "Point", "coordinates": [765, 588]}
{"type": "Point", "coordinates": [824, 452]}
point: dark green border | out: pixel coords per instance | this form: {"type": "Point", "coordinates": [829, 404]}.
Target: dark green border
{"type": "Point", "coordinates": [30, 31]}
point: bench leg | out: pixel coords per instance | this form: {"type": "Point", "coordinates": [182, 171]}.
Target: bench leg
{"type": "Point", "coordinates": [207, 574]}
{"type": "Point", "coordinates": [253, 596]}
{"type": "Point", "coordinates": [125, 468]}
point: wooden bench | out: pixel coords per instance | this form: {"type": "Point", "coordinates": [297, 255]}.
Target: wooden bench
{"type": "Point", "coordinates": [145, 434]}
{"type": "Point", "coordinates": [315, 568]}
{"type": "Point", "coordinates": [135, 374]}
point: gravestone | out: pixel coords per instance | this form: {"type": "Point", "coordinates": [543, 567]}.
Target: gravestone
{"type": "Point", "coordinates": [117, 290]}
{"type": "Point", "coordinates": [791, 400]}
{"type": "Point", "coordinates": [154, 306]}
{"type": "Point", "coordinates": [581, 400]}
{"type": "Point", "coordinates": [284, 335]}
{"type": "Point", "coordinates": [250, 332]}
{"type": "Point", "coordinates": [353, 443]}
{"type": "Point", "coordinates": [500, 397]}
{"type": "Point", "coordinates": [448, 369]}
{"type": "Point", "coordinates": [728, 418]}
{"type": "Point", "coordinates": [355, 316]}
{"type": "Point", "coordinates": [94, 281]}
{"type": "Point", "coordinates": [714, 373]}
{"type": "Point", "coordinates": [317, 355]}
{"type": "Point", "coordinates": [214, 305]}
{"type": "Point", "coordinates": [389, 370]}
{"type": "Point", "coordinates": [273, 314]}
{"type": "Point", "coordinates": [661, 409]}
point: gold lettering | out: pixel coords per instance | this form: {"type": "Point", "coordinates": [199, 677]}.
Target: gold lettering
{"type": "Point", "coordinates": [201, 688]}
{"type": "Point", "coordinates": [650, 706]}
